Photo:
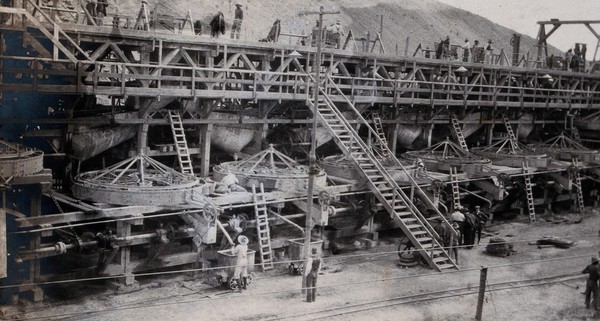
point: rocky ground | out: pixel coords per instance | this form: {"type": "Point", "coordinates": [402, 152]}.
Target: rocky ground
{"type": "Point", "coordinates": [364, 276]}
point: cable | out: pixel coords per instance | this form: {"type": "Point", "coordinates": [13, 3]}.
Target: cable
{"type": "Point", "coordinates": [281, 262]}
{"type": "Point", "coordinates": [319, 287]}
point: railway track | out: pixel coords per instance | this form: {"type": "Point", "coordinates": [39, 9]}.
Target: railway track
{"type": "Point", "coordinates": [347, 310]}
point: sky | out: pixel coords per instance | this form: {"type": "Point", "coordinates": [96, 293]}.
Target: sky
{"type": "Point", "coordinates": [523, 15]}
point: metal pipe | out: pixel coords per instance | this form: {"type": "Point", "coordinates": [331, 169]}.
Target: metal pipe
{"type": "Point", "coordinates": [287, 220]}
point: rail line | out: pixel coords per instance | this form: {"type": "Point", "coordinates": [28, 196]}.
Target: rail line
{"type": "Point", "coordinates": [345, 310]}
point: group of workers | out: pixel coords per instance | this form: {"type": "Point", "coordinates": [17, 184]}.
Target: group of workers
{"type": "Point", "coordinates": [332, 36]}
{"type": "Point", "coordinates": [475, 53]}
{"type": "Point", "coordinates": [96, 11]}
{"type": "Point", "coordinates": [574, 59]}
{"type": "Point", "coordinates": [467, 224]}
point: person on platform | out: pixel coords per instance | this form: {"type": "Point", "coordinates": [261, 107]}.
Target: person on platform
{"type": "Point", "coordinates": [489, 53]}
{"type": "Point", "coordinates": [237, 22]}
{"type": "Point", "coordinates": [466, 50]}
{"type": "Point", "coordinates": [217, 25]}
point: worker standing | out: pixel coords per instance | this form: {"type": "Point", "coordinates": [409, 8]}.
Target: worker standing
{"type": "Point", "coordinates": [237, 22]}
{"type": "Point", "coordinates": [241, 264]}
{"type": "Point", "coordinates": [311, 272]}
{"type": "Point", "coordinates": [466, 50]}
{"type": "Point", "coordinates": [459, 218]}
{"type": "Point", "coordinates": [91, 9]}
{"type": "Point", "coordinates": [591, 286]}
{"type": "Point", "coordinates": [101, 11]}
{"type": "Point", "coordinates": [489, 53]}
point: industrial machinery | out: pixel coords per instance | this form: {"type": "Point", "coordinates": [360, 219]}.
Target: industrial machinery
{"type": "Point", "coordinates": [156, 145]}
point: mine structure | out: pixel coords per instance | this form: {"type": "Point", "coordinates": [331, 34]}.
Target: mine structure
{"type": "Point", "coordinates": [129, 148]}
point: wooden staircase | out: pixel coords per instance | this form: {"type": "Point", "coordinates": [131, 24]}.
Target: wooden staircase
{"type": "Point", "coordinates": [400, 207]}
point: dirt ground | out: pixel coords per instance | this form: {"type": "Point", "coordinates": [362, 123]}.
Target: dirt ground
{"type": "Point", "coordinates": [363, 276]}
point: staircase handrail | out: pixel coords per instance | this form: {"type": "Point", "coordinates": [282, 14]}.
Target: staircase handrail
{"type": "Point", "coordinates": [391, 155]}
{"type": "Point", "coordinates": [396, 189]}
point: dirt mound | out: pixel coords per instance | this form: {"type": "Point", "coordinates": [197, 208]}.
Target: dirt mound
{"type": "Point", "coordinates": [421, 21]}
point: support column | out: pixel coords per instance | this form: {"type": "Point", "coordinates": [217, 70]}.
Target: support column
{"type": "Point", "coordinates": [205, 136]}
{"type": "Point", "coordinates": [490, 133]}
{"type": "Point", "coordinates": [124, 257]}
{"type": "Point", "coordinates": [429, 134]}
{"type": "Point", "coordinates": [35, 243]}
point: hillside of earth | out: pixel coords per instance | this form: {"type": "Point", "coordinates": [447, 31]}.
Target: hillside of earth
{"type": "Point", "coordinates": [411, 22]}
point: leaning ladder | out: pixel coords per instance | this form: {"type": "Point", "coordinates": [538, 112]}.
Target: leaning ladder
{"type": "Point", "coordinates": [455, 187]}
{"type": "Point", "coordinates": [576, 177]}
{"type": "Point", "coordinates": [262, 228]}
{"type": "Point", "coordinates": [183, 153]}
{"type": "Point", "coordinates": [458, 133]}
{"type": "Point", "coordinates": [529, 193]}
{"type": "Point", "coordinates": [511, 133]}
{"type": "Point", "coordinates": [380, 132]}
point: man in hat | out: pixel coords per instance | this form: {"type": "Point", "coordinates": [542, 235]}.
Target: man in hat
{"type": "Point", "coordinates": [591, 286]}
{"type": "Point", "coordinates": [241, 264]}
{"type": "Point", "coordinates": [440, 230]}
{"type": "Point", "coordinates": [489, 53]}
{"type": "Point", "coordinates": [459, 218]}
{"type": "Point", "coordinates": [466, 50]}
{"type": "Point", "coordinates": [313, 267]}
{"type": "Point", "coordinates": [337, 34]}
{"type": "Point", "coordinates": [237, 22]}
{"type": "Point", "coordinates": [477, 57]}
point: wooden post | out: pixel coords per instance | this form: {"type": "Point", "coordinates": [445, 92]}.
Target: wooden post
{"type": "Point", "coordinates": [124, 257]}
{"type": "Point", "coordinates": [35, 243]}
{"type": "Point", "coordinates": [482, 281]}
{"type": "Point", "coordinates": [205, 135]}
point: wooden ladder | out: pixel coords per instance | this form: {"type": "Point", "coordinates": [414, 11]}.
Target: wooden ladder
{"type": "Point", "coordinates": [262, 228]}
{"type": "Point", "coordinates": [529, 193]}
{"type": "Point", "coordinates": [457, 131]}
{"type": "Point", "coordinates": [576, 178]}
{"type": "Point", "coordinates": [455, 187]}
{"type": "Point", "coordinates": [183, 153]}
{"type": "Point", "coordinates": [378, 126]}
{"type": "Point", "coordinates": [514, 142]}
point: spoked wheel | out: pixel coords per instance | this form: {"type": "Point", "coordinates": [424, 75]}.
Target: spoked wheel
{"type": "Point", "coordinates": [300, 269]}
{"type": "Point", "coordinates": [249, 278]}
{"type": "Point", "coordinates": [407, 257]}
{"type": "Point", "coordinates": [233, 284]}
{"type": "Point", "coordinates": [405, 249]}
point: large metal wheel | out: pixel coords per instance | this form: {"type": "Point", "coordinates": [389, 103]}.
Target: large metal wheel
{"type": "Point", "coordinates": [300, 269]}
{"type": "Point", "coordinates": [249, 278]}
